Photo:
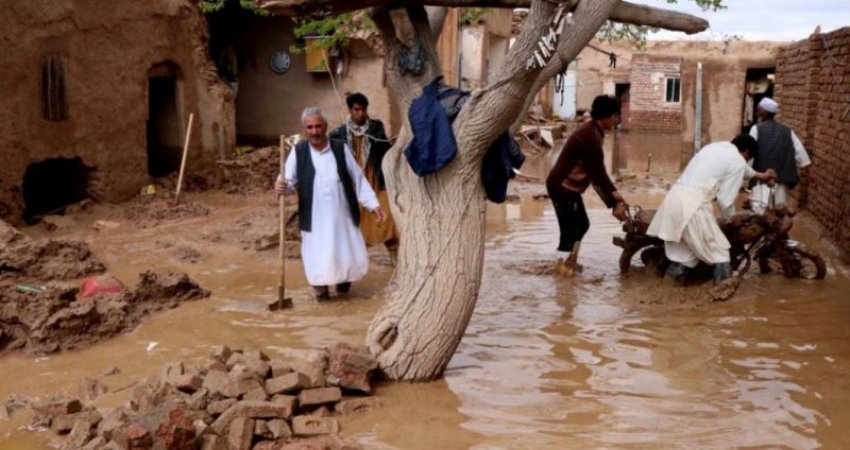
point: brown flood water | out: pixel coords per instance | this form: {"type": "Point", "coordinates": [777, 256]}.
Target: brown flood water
{"type": "Point", "coordinates": [547, 362]}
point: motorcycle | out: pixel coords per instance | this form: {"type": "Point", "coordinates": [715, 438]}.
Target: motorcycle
{"type": "Point", "coordinates": [760, 237]}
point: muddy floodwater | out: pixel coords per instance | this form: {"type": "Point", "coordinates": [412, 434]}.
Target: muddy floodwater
{"type": "Point", "coordinates": [598, 361]}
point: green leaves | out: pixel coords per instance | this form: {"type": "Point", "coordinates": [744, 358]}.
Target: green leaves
{"type": "Point", "coordinates": [211, 6]}
{"type": "Point", "coordinates": [332, 31]}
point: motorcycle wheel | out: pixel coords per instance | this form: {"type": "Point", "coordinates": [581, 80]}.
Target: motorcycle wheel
{"type": "Point", "coordinates": [798, 263]}
{"type": "Point", "coordinates": [627, 258]}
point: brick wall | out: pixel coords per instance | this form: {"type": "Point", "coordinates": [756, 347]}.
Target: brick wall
{"type": "Point", "coordinates": [813, 90]}
{"type": "Point", "coordinates": [649, 109]}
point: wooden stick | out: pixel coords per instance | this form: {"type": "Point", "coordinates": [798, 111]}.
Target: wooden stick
{"type": "Point", "coordinates": [183, 162]}
{"type": "Point", "coordinates": [283, 301]}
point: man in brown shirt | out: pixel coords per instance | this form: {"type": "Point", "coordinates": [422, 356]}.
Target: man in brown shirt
{"type": "Point", "coordinates": [581, 164]}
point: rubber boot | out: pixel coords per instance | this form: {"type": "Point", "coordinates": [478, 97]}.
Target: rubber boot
{"type": "Point", "coordinates": [675, 273]}
{"type": "Point", "coordinates": [722, 271]}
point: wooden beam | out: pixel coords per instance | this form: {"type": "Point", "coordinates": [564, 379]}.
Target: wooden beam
{"type": "Point", "coordinates": [624, 12]}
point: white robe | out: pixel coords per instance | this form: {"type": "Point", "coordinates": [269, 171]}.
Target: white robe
{"type": "Point", "coordinates": [685, 220]}
{"type": "Point", "coordinates": [333, 251]}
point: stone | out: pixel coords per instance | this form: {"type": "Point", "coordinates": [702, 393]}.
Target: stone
{"type": "Point", "coordinates": [218, 407]}
{"type": "Point", "coordinates": [187, 383]}
{"type": "Point", "coordinates": [290, 401]}
{"type": "Point", "coordinates": [352, 365]}
{"type": "Point", "coordinates": [290, 382]}
{"type": "Point", "coordinates": [200, 427]}
{"type": "Point", "coordinates": [199, 400]}
{"type": "Point", "coordinates": [177, 433]}
{"type": "Point", "coordinates": [240, 434]}
{"type": "Point", "coordinates": [78, 437]}
{"type": "Point", "coordinates": [215, 380]}
{"type": "Point", "coordinates": [57, 406]}
{"type": "Point", "coordinates": [357, 405]}
{"type": "Point", "coordinates": [256, 354]}
{"type": "Point", "coordinates": [314, 373]}
{"type": "Point", "coordinates": [261, 428]}
{"type": "Point", "coordinates": [239, 384]}
{"type": "Point", "coordinates": [221, 353]}
{"type": "Point", "coordinates": [320, 396]}
{"type": "Point", "coordinates": [212, 442]}
{"type": "Point", "coordinates": [258, 394]}
{"type": "Point", "coordinates": [133, 437]}
{"type": "Point", "coordinates": [313, 425]}
{"type": "Point", "coordinates": [279, 428]}
{"type": "Point", "coordinates": [253, 410]}
{"type": "Point", "coordinates": [112, 421]}
{"type": "Point", "coordinates": [111, 371]}
{"type": "Point", "coordinates": [280, 369]}
{"type": "Point", "coordinates": [258, 367]}
{"type": "Point", "coordinates": [64, 423]}
{"type": "Point", "coordinates": [95, 444]}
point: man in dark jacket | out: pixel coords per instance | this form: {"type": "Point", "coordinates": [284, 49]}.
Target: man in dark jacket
{"type": "Point", "coordinates": [368, 142]}
{"type": "Point", "coordinates": [779, 149]}
{"type": "Point", "coordinates": [581, 164]}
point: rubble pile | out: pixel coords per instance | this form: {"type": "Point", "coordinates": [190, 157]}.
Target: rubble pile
{"type": "Point", "coordinates": [253, 173]}
{"type": "Point", "coordinates": [237, 400]}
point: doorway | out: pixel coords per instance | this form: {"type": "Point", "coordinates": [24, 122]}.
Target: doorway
{"type": "Point", "coordinates": [759, 84]}
{"type": "Point", "coordinates": [163, 125]}
{"type": "Point", "coordinates": [622, 92]}
{"type": "Point", "coordinates": [51, 185]}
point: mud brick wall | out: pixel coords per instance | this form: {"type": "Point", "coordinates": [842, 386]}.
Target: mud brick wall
{"type": "Point", "coordinates": [813, 90]}
{"type": "Point", "coordinates": [649, 109]}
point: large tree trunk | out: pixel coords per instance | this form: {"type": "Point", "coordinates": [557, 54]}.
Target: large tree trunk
{"type": "Point", "coordinates": [441, 216]}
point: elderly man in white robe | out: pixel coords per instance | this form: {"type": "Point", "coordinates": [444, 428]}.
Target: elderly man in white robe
{"type": "Point", "coordinates": [330, 185]}
{"type": "Point", "coordinates": [685, 220]}
{"type": "Point", "coordinates": [779, 149]}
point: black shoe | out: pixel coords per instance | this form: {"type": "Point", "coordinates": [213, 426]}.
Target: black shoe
{"type": "Point", "coordinates": [322, 293]}
{"type": "Point", "coordinates": [343, 288]}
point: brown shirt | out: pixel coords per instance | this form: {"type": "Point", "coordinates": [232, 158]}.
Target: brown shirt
{"type": "Point", "coordinates": [583, 150]}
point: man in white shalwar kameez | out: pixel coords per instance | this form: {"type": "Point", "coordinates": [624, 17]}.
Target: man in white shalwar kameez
{"type": "Point", "coordinates": [332, 246]}
{"type": "Point", "coordinates": [685, 220]}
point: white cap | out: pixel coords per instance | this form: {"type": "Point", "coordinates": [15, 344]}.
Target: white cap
{"type": "Point", "coordinates": [769, 105]}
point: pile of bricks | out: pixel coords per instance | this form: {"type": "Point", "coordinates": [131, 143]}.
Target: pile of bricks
{"type": "Point", "coordinates": [813, 91]}
{"type": "Point", "coordinates": [237, 400]}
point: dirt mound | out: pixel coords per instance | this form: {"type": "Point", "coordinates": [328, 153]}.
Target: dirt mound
{"type": "Point", "coordinates": [25, 259]}
{"type": "Point", "coordinates": [56, 319]}
{"type": "Point", "coordinates": [252, 173]}
{"type": "Point", "coordinates": [149, 211]}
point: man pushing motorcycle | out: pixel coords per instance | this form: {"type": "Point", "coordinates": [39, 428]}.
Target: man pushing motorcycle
{"type": "Point", "coordinates": [685, 220]}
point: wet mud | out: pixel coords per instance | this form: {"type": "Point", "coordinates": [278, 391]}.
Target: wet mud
{"type": "Point", "coordinates": [598, 360]}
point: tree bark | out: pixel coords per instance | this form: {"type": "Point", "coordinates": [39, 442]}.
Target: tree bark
{"type": "Point", "coordinates": [440, 217]}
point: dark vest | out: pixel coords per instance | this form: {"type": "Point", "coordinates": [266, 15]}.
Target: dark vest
{"type": "Point", "coordinates": [776, 151]}
{"type": "Point", "coordinates": [306, 173]}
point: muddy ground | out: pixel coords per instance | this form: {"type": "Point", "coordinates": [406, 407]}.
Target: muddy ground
{"type": "Point", "coordinates": [597, 361]}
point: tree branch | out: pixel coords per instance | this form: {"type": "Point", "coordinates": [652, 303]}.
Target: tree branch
{"type": "Point", "coordinates": [624, 12]}
{"type": "Point", "coordinates": [437, 18]}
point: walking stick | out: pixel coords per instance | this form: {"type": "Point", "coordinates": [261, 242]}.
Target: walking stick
{"type": "Point", "coordinates": [283, 302]}
{"type": "Point", "coordinates": [183, 161]}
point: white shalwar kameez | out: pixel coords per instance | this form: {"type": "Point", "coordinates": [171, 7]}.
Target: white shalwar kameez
{"type": "Point", "coordinates": [334, 251]}
{"type": "Point", "coordinates": [685, 220]}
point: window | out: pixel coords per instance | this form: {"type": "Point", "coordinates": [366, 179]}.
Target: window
{"type": "Point", "coordinates": [674, 90]}
{"type": "Point", "coordinates": [54, 104]}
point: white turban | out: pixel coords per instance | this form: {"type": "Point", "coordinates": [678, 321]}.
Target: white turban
{"type": "Point", "coordinates": [769, 105]}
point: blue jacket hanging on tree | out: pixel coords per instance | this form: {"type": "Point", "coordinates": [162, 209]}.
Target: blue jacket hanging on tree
{"type": "Point", "coordinates": [434, 145]}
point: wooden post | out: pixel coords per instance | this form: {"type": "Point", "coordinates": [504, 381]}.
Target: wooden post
{"type": "Point", "coordinates": [282, 301]}
{"type": "Point", "coordinates": [183, 162]}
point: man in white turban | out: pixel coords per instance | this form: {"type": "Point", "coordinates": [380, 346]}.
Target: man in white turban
{"type": "Point", "coordinates": [779, 149]}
